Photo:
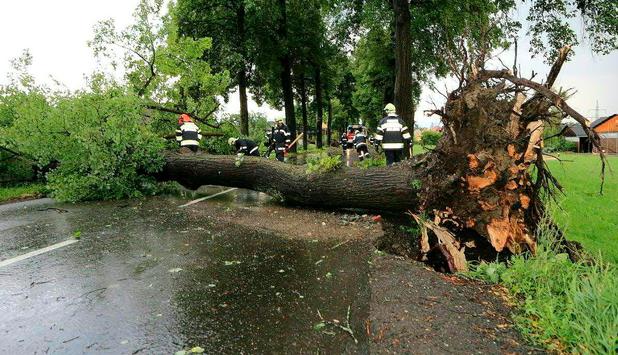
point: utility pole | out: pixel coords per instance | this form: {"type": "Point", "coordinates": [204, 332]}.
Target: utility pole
{"type": "Point", "coordinates": [597, 111]}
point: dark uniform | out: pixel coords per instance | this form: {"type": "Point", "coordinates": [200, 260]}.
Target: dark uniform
{"type": "Point", "coordinates": [344, 142]}
{"type": "Point", "coordinates": [392, 132]}
{"type": "Point", "coordinates": [247, 147]}
{"type": "Point", "coordinates": [281, 139]}
{"type": "Point", "coordinates": [269, 143]}
{"type": "Point", "coordinates": [188, 134]}
{"type": "Point", "coordinates": [360, 144]}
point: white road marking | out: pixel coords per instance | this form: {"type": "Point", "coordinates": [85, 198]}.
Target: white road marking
{"type": "Point", "coordinates": [37, 252]}
{"type": "Point", "coordinates": [207, 197]}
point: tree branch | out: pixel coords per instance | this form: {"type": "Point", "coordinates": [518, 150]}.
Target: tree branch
{"type": "Point", "coordinates": [201, 119]}
{"type": "Point", "coordinates": [555, 69]}
{"type": "Point", "coordinates": [557, 102]}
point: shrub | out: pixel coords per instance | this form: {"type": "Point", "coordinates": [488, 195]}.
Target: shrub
{"type": "Point", "coordinates": [15, 169]}
{"type": "Point", "coordinates": [559, 144]}
{"type": "Point", "coordinates": [430, 137]}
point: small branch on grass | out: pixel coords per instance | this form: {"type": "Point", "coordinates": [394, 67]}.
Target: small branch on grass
{"type": "Point", "coordinates": [70, 340]}
{"type": "Point", "coordinates": [93, 291]}
{"type": "Point", "coordinates": [340, 244]}
{"type": "Point", "coordinates": [335, 323]}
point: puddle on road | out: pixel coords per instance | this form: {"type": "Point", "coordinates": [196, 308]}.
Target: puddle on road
{"type": "Point", "coordinates": [146, 276]}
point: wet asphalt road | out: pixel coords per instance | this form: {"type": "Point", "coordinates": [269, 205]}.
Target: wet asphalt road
{"type": "Point", "coordinates": [146, 277]}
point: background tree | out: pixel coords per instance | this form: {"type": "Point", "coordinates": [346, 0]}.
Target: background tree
{"type": "Point", "coordinates": [161, 67]}
{"type": "Point", "coordinates": [231, 27]}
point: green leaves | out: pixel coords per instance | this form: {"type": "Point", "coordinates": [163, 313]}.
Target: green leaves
{"type": "Point", "coordinates": [551, 25]}
{"type": "Point", "coordinates": [162, 67]}
{"type": "Point", "coordinates": [98, 139]}
{"type": "Point", "coordinates": [323, 163]}
{"type": "Point", "coordinates": [319, 326]}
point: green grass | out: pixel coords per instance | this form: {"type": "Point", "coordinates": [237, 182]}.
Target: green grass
{"type": "Point", "coordinates": [586, 216]}
{"type": "Point", "coordinates": [561, 305]}
{"type": "Point", "coordinates": [15, 192]}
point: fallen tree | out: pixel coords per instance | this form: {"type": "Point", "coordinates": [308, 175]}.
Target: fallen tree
{"type": "Point", "coordinates": [474, 191]}
{"type": "Point", "coordinates": [379, 188]}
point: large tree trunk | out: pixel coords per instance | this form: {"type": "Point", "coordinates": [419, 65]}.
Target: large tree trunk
{"type": "Point", "coordinates": [379, 188]}
{"type": "Point", "coordinates": [286, 74]}
{"type": "Point", "coordinates": [244, 111]}
{"type": "Point", "coordinates": [242, 73]}
{"type": "Point", "coordinates": [330, 120]}
{"type": "Point", "coordinates": [403, 63]}
{"type": "Point", "coordinates": [303, 106]}
{"type": "Point", "coordinates": [319, 107]}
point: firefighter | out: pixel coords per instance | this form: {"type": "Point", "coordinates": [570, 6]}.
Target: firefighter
{"type": "Point", "coordinates": [281, 139]}
{"type": "Point", "coordinates": [375, 143]}
{"type": "Point", "coordinates": [269, 143]}
{"type": "Point", "coordinates": [392, 132]}
{"type": "Point", "coordinates": [188, 134]}
{"type": "Point", "coordinates": [360, 143]}
{"type": "Point", "coordinates": [244, 146]}
{"type": "Point", "coordinates": [344, 143]}
{"type": "Point", "coordinates": [350, 137]}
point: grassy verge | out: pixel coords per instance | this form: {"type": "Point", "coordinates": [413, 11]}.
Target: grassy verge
{"type": "Point", "coordinates": [561, 305]}
{"type": "Point", "coordinates": [22, 191]}
{"type": "Point", "coordinates": [586, 216]}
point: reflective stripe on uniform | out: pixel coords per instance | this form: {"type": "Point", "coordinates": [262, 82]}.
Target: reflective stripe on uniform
{"type": "Point", "coordinates": [189, 142]}
{"type": "Point", "coordinates": [253, 150]}
{"type": "Point", "coordinates": [391, 125]}
{"type": "Point", "coordinates": [392, 146]}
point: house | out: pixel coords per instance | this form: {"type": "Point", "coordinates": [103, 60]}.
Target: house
{"type": "Point", "coordinates": [605, 127]}
{"type": "Point", "coordinates": [574, 132]}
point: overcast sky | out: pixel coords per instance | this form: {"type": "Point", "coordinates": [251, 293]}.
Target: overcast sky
{"type": "Point", "coordinates": [56, 33]}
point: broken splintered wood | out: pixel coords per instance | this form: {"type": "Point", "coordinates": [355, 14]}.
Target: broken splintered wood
{"type": "Point", "coordinates": [510, 233]}
{"type": "Point", "coordinates": [448, 245]}
{"type": "Point", "coordinates": [535, 143]}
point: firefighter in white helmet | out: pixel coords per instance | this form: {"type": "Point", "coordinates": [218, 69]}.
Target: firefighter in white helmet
{"type": "Point", "coordinates": [392, 133]}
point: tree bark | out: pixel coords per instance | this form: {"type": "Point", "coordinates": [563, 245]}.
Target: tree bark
{"type": "Point", "coordinates": [242, 73]}
{"type": "Point", "coordinates": [403, 63]}
{"type": "Point", "coordinates": [319, 107]}
{"type": "Point", "coordinates": [286, 74]}
{"type": "Point", "coordinates": [303, 106]}
{"type": "Point", "coordinates": [244, 111]}
{"type": "Point", "coordinates": [375, 189]}
{"type": "Point", "coordinates": [330, 120]}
